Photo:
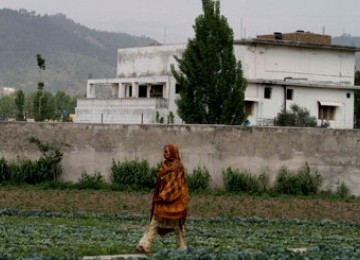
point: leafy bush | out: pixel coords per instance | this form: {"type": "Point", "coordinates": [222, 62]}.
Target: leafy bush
{"type": "Point", "coordinates": [297, 116]}
{"type": "Point", "coordinates": [236, 181]}
{"type": "Point", "coordinates": [199, 179]}
{"type": "Point", "coordinates": [48, 164]}
{"type": "Point", "coordinates": [304, 182]}
{"type": "Point", "coordinates": [91, 181]}
{"type": "Point", "coordinates": [132, 175]}
{"type": "Point", "coordinates": [23, 170]}
{"type": "Point", "coordinates": [4, 170]}
{"type": "Point", "coordinates": [310, 181]}
{"type": "Point", "coordinates": [285, 183]}
{"type": "Point", "coordinates": [342, 191]}
{"type": "Point", "coordinates": [263, 181]}
{"type": "Point", "coordinates": [46, 170]}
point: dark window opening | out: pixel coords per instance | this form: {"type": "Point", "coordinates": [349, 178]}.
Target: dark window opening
{"type": "Point", "coordinates": [326, 112]}
{"type": "Point", "coordinates": [249, 108]}
{"type": "Point", "coordinates": [142, 91]}
{"type": "Point", "coordinates": [267, 93]}
{"type": "Point", "coordinates": [289, 94]}
{"type": "Point", "coordinates": [348, 95]}
{"type": "Point", "coordinates": [156, 91]}
{"type": "Point", "coordinates": [177, 88]}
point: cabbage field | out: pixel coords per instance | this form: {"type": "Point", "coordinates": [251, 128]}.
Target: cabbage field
{"type": "Point", "coordinates": [43, 234]}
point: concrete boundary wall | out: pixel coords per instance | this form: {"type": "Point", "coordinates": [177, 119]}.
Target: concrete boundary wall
{"type": "Point", "coordinates": [92, 147]}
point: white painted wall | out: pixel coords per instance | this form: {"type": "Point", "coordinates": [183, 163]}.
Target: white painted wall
{"type": "Point", "coordinates": [307, 97]}
{"type": "Point", "coordinates": [277, 62]}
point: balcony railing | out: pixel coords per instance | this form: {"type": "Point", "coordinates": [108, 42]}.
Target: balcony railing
{"type": "Point", "coordinates": [151, 103]}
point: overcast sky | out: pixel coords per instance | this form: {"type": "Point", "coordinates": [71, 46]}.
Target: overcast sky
{"type": "Point", "coordinates": [171, 21]}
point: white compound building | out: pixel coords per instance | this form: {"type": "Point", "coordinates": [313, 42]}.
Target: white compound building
{"type": "Point", "coordinates": [281, 69]}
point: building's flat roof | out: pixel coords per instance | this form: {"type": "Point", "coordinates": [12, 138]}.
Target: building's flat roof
{"type": "Point", "coordinates": [104, 81]}
{"type": "Point", "coordinates": [305, 83]}
{"type": "Point", "coordinates": [258, 41]}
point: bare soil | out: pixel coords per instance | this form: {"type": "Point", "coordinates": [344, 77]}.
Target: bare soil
{"type": "Point", "coordinates": [201, 206]}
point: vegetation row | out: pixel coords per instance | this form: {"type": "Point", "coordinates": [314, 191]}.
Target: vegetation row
{"type": "Point", "coordinates": [139, 175]}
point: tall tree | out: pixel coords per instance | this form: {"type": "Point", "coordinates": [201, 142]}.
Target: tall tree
{"type": "Point", "coordinates": [357, 101]}
{"type": "Point", "coordinates": [211, 81]}
{"type": "Point", "coordinates": [39, 98]}
{"type": "Point", "coordinates": [20, 105]}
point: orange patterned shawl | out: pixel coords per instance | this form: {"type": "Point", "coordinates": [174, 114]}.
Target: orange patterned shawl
{"type": "Point", "coordinates": [171, 193]}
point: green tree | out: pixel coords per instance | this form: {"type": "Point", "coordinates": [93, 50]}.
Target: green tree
{"type": "Point", "coordinates": [357, 101]}
{"type": "Point", "coordinates": [20, 105]}
{"type": "Point", "coordinates": [38, 102]}
{"type": "Point", "coordinates": [297, 116]}
{"type": "Point", "coordinates": [7, 107]}
{"type": "Point", "coordinates": [29, 103]}
{"type": "Point", "coordinates": [39, 98]}
{"type": "Point", "coordinates": [211, 81]}
{"type": "Point", "coordinates": [40, 63]}
{"type": "Point", "coordinates": [64, 105]}
{"type": "Point", "coordinates": [45, 101]}
{"type": "Point", "coordinates": [53, 105]}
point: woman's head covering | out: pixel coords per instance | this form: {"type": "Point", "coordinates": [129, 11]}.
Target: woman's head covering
{"type": "Point", "coordinates": [174, 151]}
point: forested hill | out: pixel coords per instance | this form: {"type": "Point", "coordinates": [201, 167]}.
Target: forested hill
{"type": "Point", "coordinates": [72, 52]}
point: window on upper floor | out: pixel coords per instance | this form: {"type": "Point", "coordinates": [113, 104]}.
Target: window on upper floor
{"type": "Point", "coordinates": [267, 92]}
{"type": "Point", "coordinates": [156, 91]}
{"type": "Point", "coordinates": [142, 91]}
{"type": "Point", "coordinates": [289, 94]}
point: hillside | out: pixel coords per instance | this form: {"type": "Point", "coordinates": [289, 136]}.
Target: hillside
{"type": "Point", "coordinates": [72, 52]}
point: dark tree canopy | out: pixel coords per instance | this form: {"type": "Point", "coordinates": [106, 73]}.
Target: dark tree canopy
{"type": "Point", "coordinates": [211, 81]}
{"type": "Point", "coordinates": [40, 62]}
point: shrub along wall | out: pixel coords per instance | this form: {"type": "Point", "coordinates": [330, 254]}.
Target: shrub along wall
{"type": "Point", "coordinates": [92, 148]}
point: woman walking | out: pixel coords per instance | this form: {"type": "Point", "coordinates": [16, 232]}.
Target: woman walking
{"type": "Point", "coordinates": [170, 200]}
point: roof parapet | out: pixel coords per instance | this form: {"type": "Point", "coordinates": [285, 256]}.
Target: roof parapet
{"type": "Point", "coordinates": [298, 36]}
